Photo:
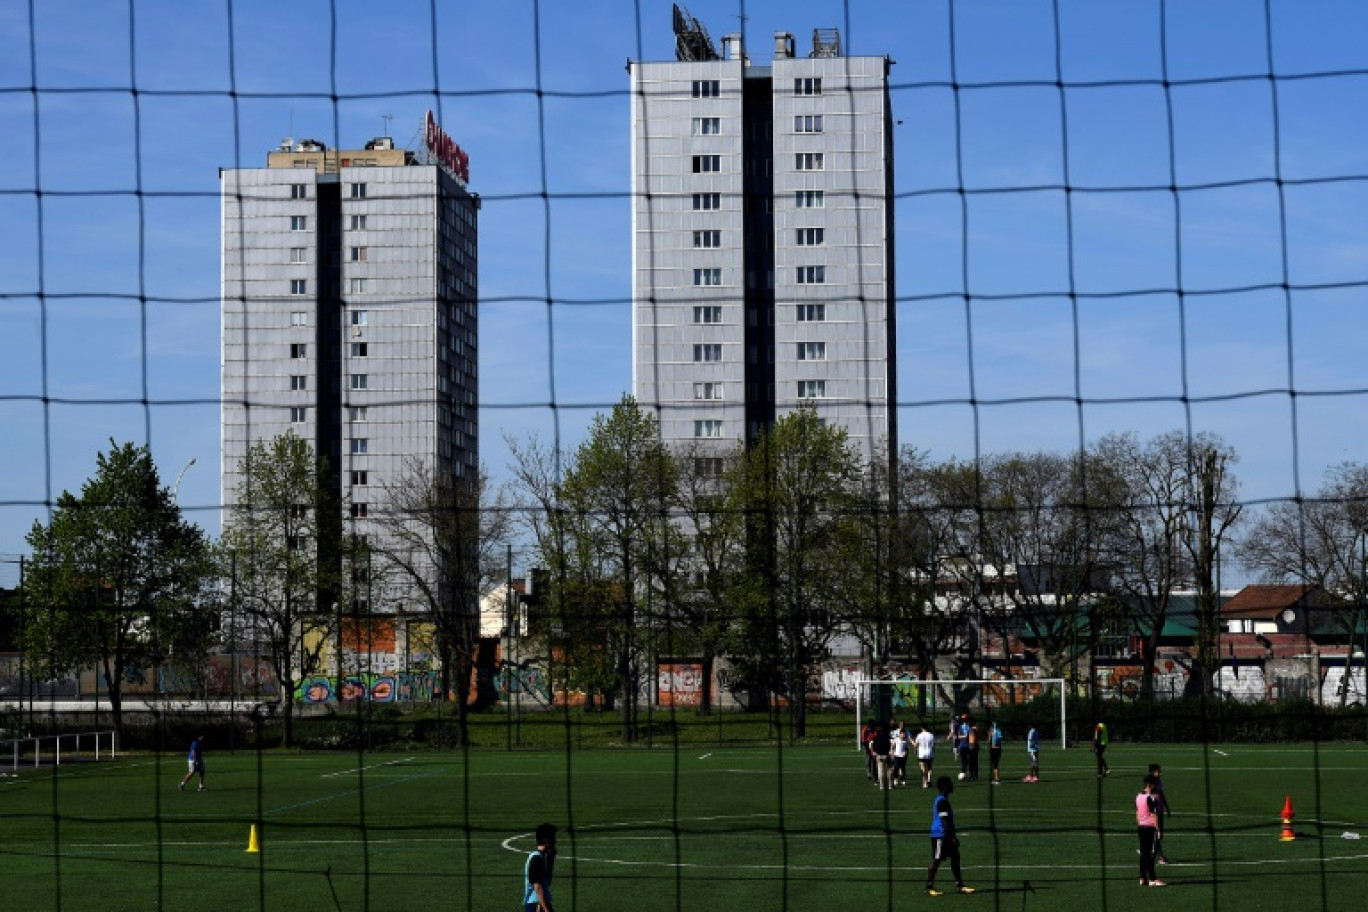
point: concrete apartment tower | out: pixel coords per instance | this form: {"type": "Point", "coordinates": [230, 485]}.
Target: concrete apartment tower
{"type": "Point", "coordinates": [349, 312]}
{"type": "Point", "coordinates": [762, 228]}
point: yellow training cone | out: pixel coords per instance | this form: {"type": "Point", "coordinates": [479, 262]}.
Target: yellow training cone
{"type": "Point", "coordinates": [252, 844]}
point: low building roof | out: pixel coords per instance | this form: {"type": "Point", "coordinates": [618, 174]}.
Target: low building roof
{"type": "Point", "coordinates": [1266, 601]}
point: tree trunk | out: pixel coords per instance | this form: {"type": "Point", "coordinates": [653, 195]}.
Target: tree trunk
{"type": "Point", "coordinates": [1147, 661]}
{"type": "Point", "coordinates": [705, 688]}
{"type": "Point", "coordinates": [285, 699]}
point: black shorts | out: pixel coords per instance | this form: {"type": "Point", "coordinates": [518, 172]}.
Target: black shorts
{"type": "Point", "coordinates": [943, 848]}
{"type": "Point", "coordinates": [995, 756]}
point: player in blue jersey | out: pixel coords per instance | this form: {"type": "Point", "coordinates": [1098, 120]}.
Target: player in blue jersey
{"type": "Point", "coordinates": [195, 760]}
{"type": "Point", "coordinates": [995, 753]}
{"type": "Point", "coordinates": [537, 871]}
{"type": "Point", "coordinates": [1033, 751]}
{"type": "Point", "coordinates": [944, 839]}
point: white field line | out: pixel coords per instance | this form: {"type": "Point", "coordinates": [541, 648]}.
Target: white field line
{"type": "Point", "coordinates": [360, 769]}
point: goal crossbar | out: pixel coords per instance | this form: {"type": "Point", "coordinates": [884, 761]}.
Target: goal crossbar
{"type": "Point", "coordinates": [934, 683]}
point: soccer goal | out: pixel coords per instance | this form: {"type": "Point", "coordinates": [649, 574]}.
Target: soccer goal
{"type": "Point", "coordinates": [1018, 702]}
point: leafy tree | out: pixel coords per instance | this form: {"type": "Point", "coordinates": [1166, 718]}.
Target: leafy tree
{"type": "Point", "coordinates": [604, 530]}
{"type": "Point", "coordinates": [1322, 541]}
{"type": "Point", "coordinates": [708, 593]}
{"type": "Point", "coordinates": [118, 578]}
{"type": "Point", "coordinates": [283, 558]}
{"type": "Point", "coordinates": [439, 540]}
{"type": "Point", "coordinates": [799, 491]}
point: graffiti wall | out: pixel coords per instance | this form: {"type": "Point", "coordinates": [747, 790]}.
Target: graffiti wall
{"type": "Point", "coordinates": [530, 680]}
{"type": "Point", "coordinates": [679, 683]}
{"type": "Point", "coordinates": [381, 687]}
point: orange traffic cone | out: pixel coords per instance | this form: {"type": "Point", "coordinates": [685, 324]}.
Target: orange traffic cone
{"type": "Point", "coordinates": [1287, 814]}
{"type": "Point", "coordinates": [252, 844]}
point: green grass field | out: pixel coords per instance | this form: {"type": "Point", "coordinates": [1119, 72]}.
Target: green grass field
{"type": "Point", "coordinates": [699, 829]}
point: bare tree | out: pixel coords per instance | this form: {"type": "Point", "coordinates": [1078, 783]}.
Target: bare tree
{"type": "Point", "coordinates": [1211, 496]}
{"type": "Point", "coordinates": [439, 543]}
{"type": "Point", "coordinates": [1165, 505]}
{"type": "Point", "coordinates": [1321, 542]}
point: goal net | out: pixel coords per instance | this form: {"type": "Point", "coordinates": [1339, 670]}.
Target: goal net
{"type": "Point", "coordinates": [1015, 704]}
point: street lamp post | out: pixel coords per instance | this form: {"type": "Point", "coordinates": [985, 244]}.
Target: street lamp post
{"type": "Point", "coordinates": [175, 489]}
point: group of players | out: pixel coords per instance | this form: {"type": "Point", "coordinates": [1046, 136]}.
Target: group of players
{"type": "Point", "coordinates": [888, 746]}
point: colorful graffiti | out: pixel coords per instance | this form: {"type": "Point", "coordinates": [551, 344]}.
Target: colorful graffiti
{"type": "Point", "coordinates": [399, 686]}
{"type": "Point", "coordinates": [526, 679]}
{"type": "Point", "coordinates": [679, 683]}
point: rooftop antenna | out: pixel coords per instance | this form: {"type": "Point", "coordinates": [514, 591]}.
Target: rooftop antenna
{"type": "Point", "coordinates": [386, 118]}
{"type": "Point", "coordinates": [692, 41]}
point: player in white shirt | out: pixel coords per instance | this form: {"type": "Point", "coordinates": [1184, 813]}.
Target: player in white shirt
{"type": "Point", "coordinates": [926, 752]}
{"type": "Point", "coordinates": [901, 740]}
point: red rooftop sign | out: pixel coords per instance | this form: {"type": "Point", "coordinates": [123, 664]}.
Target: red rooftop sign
{"type": "Point", "coordinates": [443, 147]}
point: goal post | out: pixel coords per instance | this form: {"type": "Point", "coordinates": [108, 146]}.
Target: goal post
{"type": "Point", "coordinates": [1017, 701]}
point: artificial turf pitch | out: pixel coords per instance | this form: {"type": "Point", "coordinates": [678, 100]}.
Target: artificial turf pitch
{"type": "Point", "coordinates": [758, 828]}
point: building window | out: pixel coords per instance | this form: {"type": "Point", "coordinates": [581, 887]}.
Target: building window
{"type": "Point", "coordinates": [708, 427]}
{"type": "Point", "coordinates": [358, 254]}
{"type": "Point", "coordinates": [707, 201]}
{"type": "Point", "coordinates": [807, 85]}
{"type": "Point", "coordinates": [358, 381]}
{"type": "Point", "coordinates": [299, 191]}
{"type": "Point", "coordinates": [810, 199]}
{"type": "Point", "coordinates": [299, 254]}
{"type": "Point", "coordinates": [811, 237]}
{"type": "Point", "coordinates": [358, 223]}
{"type": "Point", "coordinates": [809, 161]}
{"type": "Point", "coordinates": [710, 313]}
{"type": "Point", "coordinates": [358, 511]}
{"type": "Point", "coordinates": [811, 389]}
{"type": "Point", "coordinates": [299, 223]}
{"type": "Point", "coordinates": [299, 286]}
{"type": "Point", "coordinates": [707, 390]}
{"type": "Point", "coordinates": [360, 479]}
{"type": "Point", "coordinates": [707, 238]}
{"type": "Point", "coordinates": [360, 349]}
{"type": "Point", "coordinates": [357, 286]}
{"type": "Point", "coordinates": [357, 412]}
{"type": "Point", "coordinates": [299, 382]}
{"type": "Point", "coordinates": [299, 350]}
{"type": "Point", "coordinates": [811, 275]}
{"type": "Point", "coordinates": [360, 445]}
{"type": "Point", "coordinates": [712, 276]}
{"type": "Point", "coordinates": [298, 415]}
{"type": "Point", "coordinates": [299, 318]}
{"type": "Point", "coordinates": [707, 126]}
{"type": "Point", "coordinates": [811, 351]}
{"type": "Point", "coordinates": [711, 351]}
{"type": "Point", "coordinates": [807, 123]}
{"type": "Point", "coordinates": [358, 191]}
{"type": "Point", "coordinates": [708, 466]}
{"type": "Point", "coordinates": [811, 313]}
{"type": "Point", "coordinates": [706, 88]}
{"type": "Point", "coordinates": [707, 164]}
{"type": "Point", "coordinates": [358, 318]}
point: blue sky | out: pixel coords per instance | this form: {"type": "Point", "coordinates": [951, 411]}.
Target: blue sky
{"type": "Point", "coordinates": [113, 330]}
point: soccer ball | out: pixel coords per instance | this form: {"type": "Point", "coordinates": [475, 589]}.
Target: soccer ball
{"type": "Point", "coordinates": [961, 776]}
